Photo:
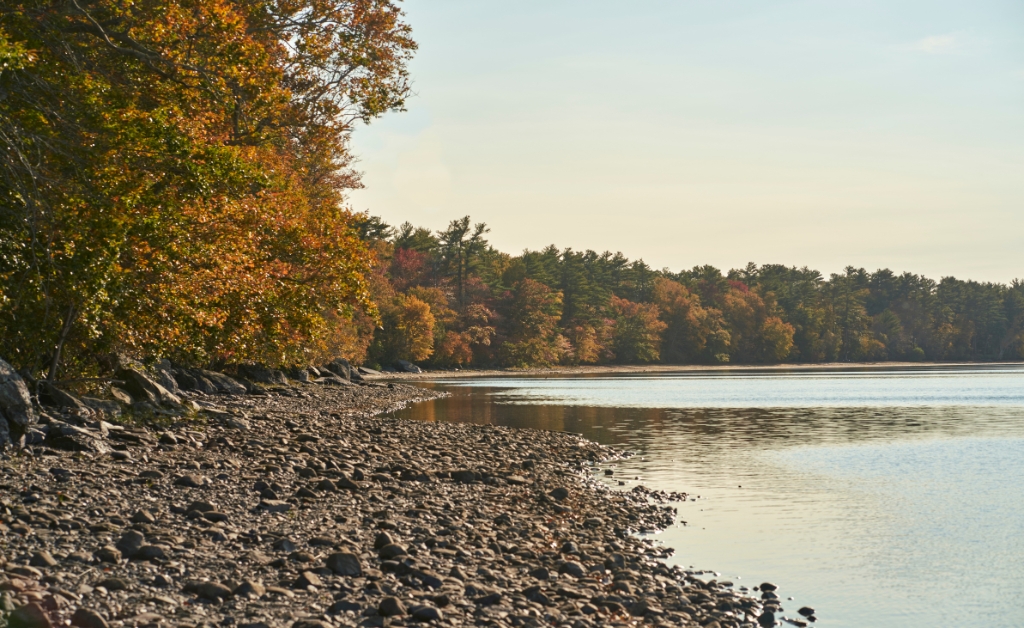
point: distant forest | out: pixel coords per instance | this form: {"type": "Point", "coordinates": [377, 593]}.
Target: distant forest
{"type": "Point", "coordinates": [449, 299]}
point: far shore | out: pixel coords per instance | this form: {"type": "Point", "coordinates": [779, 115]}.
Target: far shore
{"type": "Point", "coordinates": [622, 369]}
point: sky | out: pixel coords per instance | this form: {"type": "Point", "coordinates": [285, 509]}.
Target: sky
{"type": "Point", "coordinates": [884, 134]}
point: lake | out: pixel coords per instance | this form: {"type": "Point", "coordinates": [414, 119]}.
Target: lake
{"type": "Point", "coordinates": [881, 497]}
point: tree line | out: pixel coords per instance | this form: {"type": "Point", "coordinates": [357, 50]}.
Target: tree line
{"type": "Point", "coordinates": [450, 299]}
{"type": "Point", "coordinates": [173, 180]}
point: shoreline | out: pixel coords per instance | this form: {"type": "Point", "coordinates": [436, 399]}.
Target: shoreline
{"type": "Point", "coordinates": [305, 507]}
{"type": "Point", "coordinates": [681, 368]}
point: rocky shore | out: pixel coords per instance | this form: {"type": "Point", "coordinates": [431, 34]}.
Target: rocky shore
{"type": "Point", "coordinates": [298, 505]}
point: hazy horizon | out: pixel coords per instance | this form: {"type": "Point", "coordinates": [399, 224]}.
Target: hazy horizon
{"type": "Point", "coordinates": [822, 135]}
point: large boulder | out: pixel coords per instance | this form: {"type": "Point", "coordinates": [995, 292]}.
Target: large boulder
{"type": "Point", "coordinates": [261, 374]}
{"type": "Point", "coordinates": [407, 367]}
{"type": "Point", "coordinates": [164, 375]}
{"type": "Point", "coordinates": [16, 412]}
{"type": "Point", "coordinates": [221, 382]}
{"type": "Point", "coordinates": [59, 398]}
{"type": "Point", "coordinates": [340, 367]}
{"type": "Point", "coordinates": [143, 388]}
{"type": "Point", "coordinates": [60, 435]}
{"type": "Point", "coordinates": [300, 374]}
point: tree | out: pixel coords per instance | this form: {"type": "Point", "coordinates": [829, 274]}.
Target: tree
{"type": "Point", "coordinates": [530, 327]}
{"type": "Point", "coordinates": [459, 246]}
{"type": "Point", "coordinates": [693, 333]}
{"type": "Point", "coordinates": [847, 294]}
{"type": "Point", "coordinates": [406, 331]}
{"type": "Point", "coordinates": [171, 175]}
{"type": "Point", "coordinates": [637, 331]}
{"type": "Point", "coordinates": [758, 335]}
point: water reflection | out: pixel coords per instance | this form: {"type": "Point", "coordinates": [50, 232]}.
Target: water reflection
{"type": "Point", "coordinates": [743, 428]}
{"type": "Point", "coordinates": [853, 498]}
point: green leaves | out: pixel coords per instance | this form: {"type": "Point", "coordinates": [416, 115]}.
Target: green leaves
{"type": "Point", "coordinates": [174, 175]}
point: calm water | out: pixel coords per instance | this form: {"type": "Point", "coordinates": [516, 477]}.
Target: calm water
{"type": "Point", "coordinates": [880, 497]}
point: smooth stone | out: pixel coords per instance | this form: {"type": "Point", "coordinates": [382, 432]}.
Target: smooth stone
{"type": "Point", "coordinates": [392, 550]}
{"type": "Point", "coordinates": [391, 607]}
{"type": "Point", "coordinates": [213, 591]}
{"type": "Point", "coordinates": [29, 616]}
{"type": "Point", "coordinates": [426, 613]}
{"type": "Point", "coordinates": [559, 493]}
{"type": "Point", "coordinates": [345, 564]}
{"type": "Point", "coordinates": [86, 618]}
{"type": "Point", "coordinates": [275, 505]}
{"type": "Point", "coordinates": [130, 543]}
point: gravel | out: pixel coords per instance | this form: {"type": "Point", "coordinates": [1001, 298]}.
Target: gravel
{"type": "Point", "coordinates": [303, 507]}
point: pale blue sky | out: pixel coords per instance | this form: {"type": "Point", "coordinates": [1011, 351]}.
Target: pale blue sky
{"type": "Point", "coordinates": [878, 134]}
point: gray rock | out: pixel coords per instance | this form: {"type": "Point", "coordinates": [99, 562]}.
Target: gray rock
{"type": "Point", "coordinates": [142, 388]}
{"type": "Point", "coordinates": [382, 539]}
{"type": "Point", "coordinates": [62, 398]}
{"type": "Point", "coordinates": [392, 550]}
{"type": "Point", "coordinates": [222, 383]}
{"type": "Point", "coordinates": [164, 375]}
{"type": "Point", "coordinates": [250, 588]}
{"type": "Point", "coordinates": [465, 476]}
{"type": "Point", "coordinates": [275, 505]}
{"type": "Point", "coordinates": [426, 613]}
{"type": "Point", "coordinates": [540, 573]}
{"type": "Point", "coordinates": [86, 618]}
{"type": "Point", "coordinates": [559, 493]}
{"type": "Point", "coordinates": [42, 559]}
{"type": "Point", "coordinates": [308, 579]}
{"type": "Point", "coordinates": [15, 405]}
{"type": "Point", "coordinates": [345, 564]}
{"type": "Point", "coordinates": [261, 374]}
{"type": "Point", "coordinates": [213, 591]}
{"type": "Point", "coordinates": [300, 374]}
{"type": "Point", "coordinates": [130, 543]}
{"type": "Point", "coordinates": [121, 396]}
{"type": "Point", "coordinates": [340, 367]}
{"type": "Point", "coordinates": [108, 554]}
{"type": "Point", "coordinates": [345, 482]}
{"type": "Point", "coordinates": [69, 437]}
{"type": "Point", "coordinates": [104, 406]}
{"type": "Point", "coordinates": [29, 616]}
{"type": "Point", "coordinates": [151, 552]}
{"type": "Point", "coordinates": [572, 568]}
{"type": "Point", "coordinates": [114, 584]}
{"type": "Point", "coordinates": [191, 481]}
{"type": "Point", "coordinates": [200, 506]}
{"type": "Point", "coordinates": [344, 605]}
{"type": "Point", "coordinates": [143, 516]}
{"type": "Point", "coordinates": [490, 599]}
{"type": "Point", "coordinates": [391, 607]}
{"type": "Point", "coordinates": [32, 436]}
{"type": "Point", "coordinates": [407, 367]}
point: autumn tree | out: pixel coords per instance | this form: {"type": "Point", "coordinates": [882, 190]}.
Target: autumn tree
{"type": "Point", "coordinates": [172, 174]}
{"type": "Point", "coordinates": [692, 333]}
{"type": "Point", "coordinates": [757, 333]}
{"type": "Point", "coordinates": [637, 332]}
{"type": "Point", "coordinates": [530, 327]}
{"type": "Point", "coordinates": [406, 331]}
